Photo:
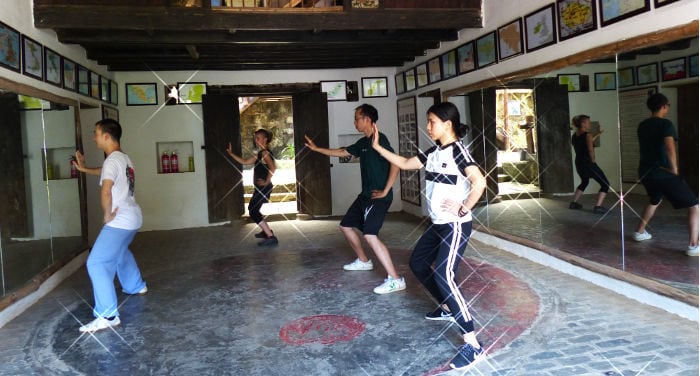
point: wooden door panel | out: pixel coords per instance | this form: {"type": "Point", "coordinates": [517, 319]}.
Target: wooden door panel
{"type": "Point", "coordinates": [13, 206]}
{"type": "Point", "coordinates": [553, 137]}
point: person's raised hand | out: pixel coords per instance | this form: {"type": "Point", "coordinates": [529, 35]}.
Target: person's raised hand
{"type": "Point", "coordinates": [309, 143]}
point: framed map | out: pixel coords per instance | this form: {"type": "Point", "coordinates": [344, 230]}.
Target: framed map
{"type": "Point", "coordinates": [141, 94]}
{"type": "Point", "coordinates": [449, 64]}
{"type": "Point", "coordinates": [605, 81]}
{"type": "Point", "coordinates": [94, 85]}
{"type": "Point", "coordinates": [191, 92]}
{"type": "Point", "coordinates": [422, 75]}
{"type": "Point", "coordinates": [510, 39]}
{"type": "Point", "coordinates": [486, 50]}
{"type": "Point", "coordinates": [673, 69]}
{"type": "Point", "coordinates": [32, 58]}
{"type": "Point", "coordinates": [52, 67]}
{"type": "Point", "coordinates": [465, 58]}
{"type": "Point", "coordinates": [83, 80]}
{"type": "Point", "coordinates": [69, 75]}
{"type": "Point", "coordinates": [647, 74]}
{"type": "Point", "coordinates": [9, 47]}
{"type": "Point", "coordinates": [400, 83]}
{"type": "Point", "coordinates": [374, 87]}
{"type": "Point", "coordinates": [408, 147]}
{"type": "Point", "coordinates": [410, 79]}
{"type": "Point", "coordinates": [625, 77]}
{"type": "Point", "coordinates": [575, 17]}
{"type": "Point", "coordinates": [612, 11]}
{"type": "Point", "coordinates": [335, 90]}
{"type": "Point", "coordinates": [539, 29]}
{"type": "Point", "coordinates": [434, 70]}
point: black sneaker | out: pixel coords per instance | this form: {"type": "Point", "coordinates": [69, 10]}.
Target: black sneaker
{"type": "Point", "coordinates": [269, 242]}
{"type": "Point", "coordinates": [467, 357]}
{"type": "Point", "coordinates": [600, 210]}
{"type": "Point", "coordinates": [439, 314]}
{"type": "Point", "coordinates": [261, 235]}
{"type": "Point", "coordinates": [575, 205]}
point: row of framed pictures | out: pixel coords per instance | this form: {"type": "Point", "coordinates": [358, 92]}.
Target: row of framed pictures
{"type": "Point", "coordinates": [673, 69]}
{"type": "Point", "coordinates": [42, 63]}
{"type": "Point", "coordinates": [558, 21]}
{"type": "Point", "coordinates": [146, 93]}
{"type": "Point", "coordinates": [342, 90]}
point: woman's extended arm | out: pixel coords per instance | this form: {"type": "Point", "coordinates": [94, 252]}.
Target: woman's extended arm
{"type": "Point", "coordinates": [403, 163]}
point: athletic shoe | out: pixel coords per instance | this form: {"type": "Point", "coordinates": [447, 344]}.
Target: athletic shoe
{"type": "Point", "coordinates": [467, 357]}
{"type": "Point", "coordinates": [99, 323]}
{"type": "Point", "coordinates": [600, 210]}
{"type": "Point", "coordinates": [692, 250]}
{"type": "Point", "coordinates": [575, 205]}
{"type": "Point", "coordinates": [359, 265]}
{"type": "Point", "coordinates": [641, 237]}
{"type": "Point", "coordinates": [269, 242]}
{"type": "Point", "coordinates": [143, 291]}
{"type": "Point", "coordinates": [261, 235]}
{"type": "Point", "coordinates": [390, 285]}
{"type": "Point", "coordinates": [439, 314]}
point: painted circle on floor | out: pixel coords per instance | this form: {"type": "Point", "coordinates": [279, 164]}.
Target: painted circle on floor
{"type": "Point", "coordinates": [323, 329]}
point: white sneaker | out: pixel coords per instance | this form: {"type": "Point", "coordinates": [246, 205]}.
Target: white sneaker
{"type": "Point", "coordinates": [390, 285]}
{"type": "Point", "coordinates": [143, 291]}
{"type": "Point", "coordinates": [99, 323]}
{"type": "Point", "coordinates": [641, 237]}
{"type": "Point", "coordinates": [359, 265]}
{"type": "Point", "coordinates": [692, 250]}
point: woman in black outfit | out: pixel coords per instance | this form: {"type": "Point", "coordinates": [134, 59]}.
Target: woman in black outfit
{"type": "Point", "coordinates": [582, 141]}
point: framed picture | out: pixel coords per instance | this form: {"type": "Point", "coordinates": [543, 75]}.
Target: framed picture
{"type": "Point", "coordinates": [647, 74]}
{"type": "Point", "coordinates": [352, 94]}
{"type": "Point", "coordinates": [540, 28]}
{"type": "Point", "coordinates": [486, 53]}
{"type": "Point", "coordinates": [83, 80]}
{"type": "Point", "coordinates": [673, 69]}
{"type": "Point", "coordinates": [400, 83]}
{"type": "Point", "coordinates": [191, 92]}
{"type": "Point", "coordinates": [335, 90]}
{"type": "Point", "coordinates": [510, 39]}
{"type": "Point", "coordinates": [465, 58]}
{"type": "Point", "coordinates": [605, 81]}
{"type": "Point", "coordinates": [422, 75]}
{"type": "Point", "coordinates": [575, 17]}
{"type": "Point", "coordinates": [69, 74]}
{"type": "Point", "coordinates": [612, 11]}
{"type": "Point", "coordinates": [104, 89]}
{"type": "Point", "coordinates": [408, 144]}
{"type": "Point", "coordinates": [410, 76]}
{"type": "Point", "coordinates": [434, 70]}
{"type": "Point", "coordinates": [693, 66]}
{"type": "Point", "coordinates": [572, 81]}
{"type": "Point", "coordinates": [27, 103]}
{"type": "Point", "coordinates": [660, 3]}
{"type": "Point", "coordinates": [10, 48]}
{"type": "Point", "coordinates": [113, 93]}
{"type": "Point", "coordinates": [109, 112]}
{"type": "Point", "coordinates": [141, 94]}
{"type": "Point", "coordinates": [94, 85]}
{"type": "Point", "coordinates": [625, 77]}
{"type": "Point", "coordinates": [448, 61]}
{"type": "Point", "coordinates": [32, 58]}
{"type": "Point", "coordinates": [374, 87]}
{"type": "Point", "coordinates": [52, 67]}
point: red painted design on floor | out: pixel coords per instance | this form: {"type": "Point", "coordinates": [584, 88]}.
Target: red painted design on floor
{"type": "Point", "coordinates": [323, 329]}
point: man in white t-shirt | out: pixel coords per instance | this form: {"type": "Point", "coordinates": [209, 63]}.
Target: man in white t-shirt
{"type": "Point", "coordinates": [110, 254]}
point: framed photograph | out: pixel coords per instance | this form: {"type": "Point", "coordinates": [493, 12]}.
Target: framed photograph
{"type": "Point", "coordinates": [141, 94]}
{"type": "Point", "coordinates": [434, 70]}
{"type": "Point", "coordinates": [448, 60]}
{"type": "Point", "coordinates": [408, 145]}
{"type": "Point", "coordinates": [575, 17]}
{"type": "Point", "coordinates": [693, 66]}
{"type": "Point", "coordinates": [660, 3]}
{"type": "Point", "coordinates": [94, 85]}
{"type": "Point", "coordinates": [104, 89]}
{"type": "Point", "coordinates": [465, 58]}
{"type": "Point", "coordinates": [647, 74]}
{"type": "Point", "coordinates": [673, 69]}
{"type": "Point", "coordinates": [352, 94]}
{"type": "Point", "coordinates": [572, 81]}
{"type": "Point", "coordinates": [540, 29]}
{"type": "Point", "coordinates": [612, 11]}
{"type": "Point", "coordinates": [605, 81]}
{"type": "Point", "coordinates": [83, 80]}
{"type": "Point", "coordinates": [191, 92]}
{"type": "Point", "coordinates": [510, 39]}
{"type": "Point", "coordinates": [109, 112]}
{"type": "Point", "coordinates": [52, 67]}
{"type": "Point", "coordinates": [410, 76]}
{"type": "Point", "coordinates": [27, 103]}
{"type": "Point", "coordinates": [32, 58]}
{"type": "Point", "coordinates": [486, 53]}
{"type": "Point", "coordinates": [625, 77]}
{"type": "Point", "coordinates": [335, 90]}
{"type": "Point", "coordinates": [422, 75]}
{"type": "Point", "coordinates": [10, 48]}
{"type": "Point", "coordinates": [113, 93]}
{"type": "Point", "coordinates": [400, 83]}
{"type": "Point", "coordinates": [374, 87]}
{"type": "Point", "coordinates": [69, 74]}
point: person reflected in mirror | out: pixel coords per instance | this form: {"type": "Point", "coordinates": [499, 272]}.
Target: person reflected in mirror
{"type": "Point", "coordinates": [369, 209]}
{"type": "Point", "coordinates": [263, 171]}
{"type": "Point", "coordinates": [658, 171]}
{"type": "Point", "coordinates": [453, 185]}
{"type": "Point", "coordinates": [122, 219]}
{"type": "Point", "coordinates": [583, 141]}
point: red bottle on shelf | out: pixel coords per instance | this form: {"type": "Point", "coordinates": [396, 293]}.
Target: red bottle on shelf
{"type": "Point", "coordinates": [165, 163]}
{"type": "Point", "coordinates": [174, 164]}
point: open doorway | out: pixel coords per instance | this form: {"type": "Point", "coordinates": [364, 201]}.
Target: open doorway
{"type": "Point", "coordinates": [516, 141]}
{"type": "Point", "coordinates": [273, 113]}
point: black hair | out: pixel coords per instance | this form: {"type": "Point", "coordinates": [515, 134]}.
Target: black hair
{"type": "Point", "coordinates": [578, 120]}
{"type": "Point", "coordinates": [369, 111]}
{"type": "Point", "coordinates": [656, 101]}
{"type": "Point", "coordinates": [111, 127]}
{"type": "Point", "coordinates": [267, 134]}
{"type": "Point", "coordinates": [448, 111]}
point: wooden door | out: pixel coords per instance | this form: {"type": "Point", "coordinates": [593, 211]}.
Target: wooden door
{"type": "Point", "coordinates": [688, 134]}
{"type": "Point", "coordinates": [482, 106]}
{"type": "Point", "coordinates": [313, 172]}
{"type": "Point", "coordinates": [224, 178]}
{"type": "Point", "coordinates": [553, 137]}
{"type": "Point", "coordinates": [13, 206]}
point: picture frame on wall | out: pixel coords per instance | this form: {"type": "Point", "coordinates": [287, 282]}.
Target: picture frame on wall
{"type": "Point", "coordinates": [69, 75]}
{"type": "Point", "coordinates": [373, 87]}
{"type": "Point", "coordinates": [141, 94]}
{"type": "Point", "coordinates": [693, 66]}
{"type": "Point", "coordinates": [192, 92]}
{"type": "Point", "coordinates": [10, 48]}
{"type": "Point", "coordinates": [83, 80]}
{"type": "Point", "coordinates": [673, 69]}
{"type": "Point", "coordinates": [421, 75]}
{"type": "Point", "coordinates": [612, 11]}
{"type": "Point", "coordinates": [625, 77]}
{"type": "Point", "coordinates": [352, 94]}
{"type": "Point", "coordinates": [399, 83]}
{"type": "Point", "coordinates": [540, 29]}
{"type": "Point", "coordinates": [448, 60]}
{"type": "Point", "coordinates": [466, 59]}
{"type": "Point", "coordinates": [52, 67]}
{"type": "Point", "coordinates": [486, 51]}
{"type": "Point", "coordinates": [408, 142]}
{"type": "Point", "coordinates": [660, 3]}
{"type": "Point", "coordinates": [104, 89]}
{"type": "Point", "coordinates": [605, 81]}
{"type": "Point", "coordinates": [410, 76]}
{"type": "Point", "coordinates": [434, 70]}
{"type": "Point", "coordinates": [32, 58]}
{"type": "Point", "coordinates": [335, 90]}
{"type": "Point", "coordinates": [94, 85]}
{"type": "Point", "coordinates": [113, 93]}
{"type": "Point", "coordinates": [109, 112]}
{"type": "Point", "coordinates": [575, 17]}
{"type": "Point", "coordinates": [571, 80]}
{"type": "Point", "coordinates": [510, 39]}
{"type": "Point", "coordinates": [647, 74]}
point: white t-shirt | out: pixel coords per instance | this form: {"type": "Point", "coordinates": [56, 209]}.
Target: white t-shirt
{"type": "Point", "coordinates": [119, 169]}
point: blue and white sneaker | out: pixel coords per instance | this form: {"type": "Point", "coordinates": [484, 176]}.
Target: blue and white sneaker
{"type": "Point", "coordinates": [439, 314]}
{"type": "Point", "coordinates": [468, 356]}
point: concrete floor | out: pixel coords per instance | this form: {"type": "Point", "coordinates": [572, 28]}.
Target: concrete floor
{"type": "Point", "coordinates": [219, 305]}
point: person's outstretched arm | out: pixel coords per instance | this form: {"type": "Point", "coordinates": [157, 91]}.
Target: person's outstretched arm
{"type": "Point", "coordinates": [238, 158]}
{"type": "Point", "coordinates": [79, 163]}
{"type": "Point", "coordinates": [340, 152]}
{"type": "Point", "coordinates": [403, 163]}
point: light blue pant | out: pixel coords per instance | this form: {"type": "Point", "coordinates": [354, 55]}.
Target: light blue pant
{"type": "Point", "coordinates": [108, 256]}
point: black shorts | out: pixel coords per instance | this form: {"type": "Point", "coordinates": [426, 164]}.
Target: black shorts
{"type": "Point", "coordinates": [675, 189]}
{"type": "Point", "coordinates": [366, 215]}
